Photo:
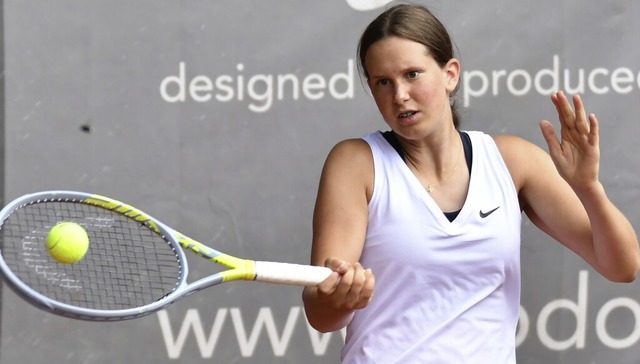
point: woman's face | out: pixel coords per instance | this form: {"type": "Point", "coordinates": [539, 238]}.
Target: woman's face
{"type": "Point", "coordinates": [410, 89]}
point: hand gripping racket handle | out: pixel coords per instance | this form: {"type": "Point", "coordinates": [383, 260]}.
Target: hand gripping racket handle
{"type": "Point", "coordinates": [292, 274]}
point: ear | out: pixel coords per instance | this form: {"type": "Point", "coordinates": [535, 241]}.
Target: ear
{"type": "Point", "coordinates": [452, 74]}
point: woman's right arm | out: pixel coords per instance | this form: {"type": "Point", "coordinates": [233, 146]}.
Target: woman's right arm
{"type": "Point", "coordinates": [339, 227]}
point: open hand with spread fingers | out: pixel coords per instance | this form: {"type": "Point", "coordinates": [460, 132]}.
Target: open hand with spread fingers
{"type": "Point", "coordinates": [577, 153]}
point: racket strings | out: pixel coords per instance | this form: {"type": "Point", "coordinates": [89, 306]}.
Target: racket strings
{"type": "Point", "coordinates": [128, 264]}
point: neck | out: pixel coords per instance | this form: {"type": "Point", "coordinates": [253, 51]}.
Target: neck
{"type": "Point", "coordinates": [434, 164]}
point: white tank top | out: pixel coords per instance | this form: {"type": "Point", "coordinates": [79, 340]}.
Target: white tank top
{"type": "Point", "coordinates": [446, 292]}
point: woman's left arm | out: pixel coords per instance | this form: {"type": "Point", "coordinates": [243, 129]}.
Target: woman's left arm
{"type": "Point", "coordinates": [563, 195]}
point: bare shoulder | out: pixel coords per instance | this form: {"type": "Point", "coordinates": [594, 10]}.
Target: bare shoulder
{"type": "Point", "coordinates": [523, 158]}
{"type": "Point", "coordinates": [514, 149]}
{"type": "Point", "coordinates": [354, 147]}
{"type": "Point", "coordinates": [351, 153]}
{"type": "Point", "coordinates": [512, 144]}
{"type": "Point", "coordinates": [350, 162]}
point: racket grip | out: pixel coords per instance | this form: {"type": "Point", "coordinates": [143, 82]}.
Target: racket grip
{"type": "Point", "coordinates": [291, 274]}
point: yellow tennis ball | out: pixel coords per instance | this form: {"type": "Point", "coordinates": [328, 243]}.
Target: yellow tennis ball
{"type": "Point", "coordinates": [67, 242]}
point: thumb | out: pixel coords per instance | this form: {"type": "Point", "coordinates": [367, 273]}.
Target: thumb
{"type": "Point", "coordinates": [549, 135]}
{"type": "Point", "coordinates": [337, 265]}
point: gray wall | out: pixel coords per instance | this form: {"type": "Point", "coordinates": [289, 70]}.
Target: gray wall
{"type": "Point", "coordinates": [237, 165]}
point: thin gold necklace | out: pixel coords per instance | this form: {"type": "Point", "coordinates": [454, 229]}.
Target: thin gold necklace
{"type": "Point", "coordinates": [429, 187]}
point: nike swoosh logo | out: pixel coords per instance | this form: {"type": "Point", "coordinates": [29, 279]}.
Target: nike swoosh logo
{"type": "Point", "coordinates": [485, 214]}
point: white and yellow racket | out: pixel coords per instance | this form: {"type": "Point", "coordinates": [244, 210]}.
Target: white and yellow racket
{"type": "Point", "coordinates": [135, 264]}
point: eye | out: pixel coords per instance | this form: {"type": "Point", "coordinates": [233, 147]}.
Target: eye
{"type": "Point", "coordinates": [413, 74]}
{"type": "Point", "coordinates": [382, 82]}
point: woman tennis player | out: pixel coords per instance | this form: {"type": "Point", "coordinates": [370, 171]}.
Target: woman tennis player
{"type": "Point", "coordinates": [429, 216]}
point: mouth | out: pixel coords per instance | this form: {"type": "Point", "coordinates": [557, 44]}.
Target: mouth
{"type": "Point", "coordinates": [407, 114]}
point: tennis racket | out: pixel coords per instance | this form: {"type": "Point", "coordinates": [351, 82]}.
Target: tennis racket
{"type": "Point", "coordinates": [135, 264]}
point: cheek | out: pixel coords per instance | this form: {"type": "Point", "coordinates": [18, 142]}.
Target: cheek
{"type": "Point", "coordinates": [438, 87]}
{"type": "Point", "coordinates": [381, 98]}
{"type": "Point", "coordinates": [384, 108]}
{"type": "Point", "coordinates": [428, 92]}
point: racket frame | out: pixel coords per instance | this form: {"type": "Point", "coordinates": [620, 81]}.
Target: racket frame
{"type": "Point", "coordinates": [239, 269]}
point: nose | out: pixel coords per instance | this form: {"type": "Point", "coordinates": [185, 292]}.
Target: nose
{"type": "Point", "coordinates": [401, 93]}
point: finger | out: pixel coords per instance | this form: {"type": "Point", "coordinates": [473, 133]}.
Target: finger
{"type": "Point", "coordinates": [333, 292]}
{"type": "Point", "coordinates": [366, 294]}
{"type": "Point", "coordinates": [565, 111]}
{"type": "Point", "coordinates": [581, 117]}
{"type": "Point", "coordinates": [362, 288]}
{"type": "Point", "coordinates": [337, 265]}
{"type": "Point", "coordinates": [549, 134]}
{"type": "Point", "coordinates": [357, 283]}
{"type": "Point", "coordinates": [594, 130]}
{"type": "Point", "coordinates": [329, 285]}
{"type": "Point", "coordinates": [370, 282]}
{"type": "Point", "coordinates": [344, 285]}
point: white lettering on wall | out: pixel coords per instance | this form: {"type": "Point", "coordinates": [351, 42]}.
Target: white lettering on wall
{"type": "Point", "coordinates": [262, 90]}
{"type": "Point", "coordinates": [248, 332]}
{"type": "Point", "coordinates": [264, 323]}
{"type": "Point", "coordinates": [520, 82]}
